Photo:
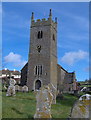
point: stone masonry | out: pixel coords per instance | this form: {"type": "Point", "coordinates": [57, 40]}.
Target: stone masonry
{"type": "Point", "coordinates": [46, 59]}
{"type": "Point", "coordinates": [42, 68]}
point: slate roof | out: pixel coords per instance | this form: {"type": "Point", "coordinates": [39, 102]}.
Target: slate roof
{"type": "Point", "coordinates": [62, 68]}
{"type": "Point", "coordinates": [25, 66]}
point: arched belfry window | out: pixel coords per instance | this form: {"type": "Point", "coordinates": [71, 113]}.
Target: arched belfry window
{"type": "Point", "coordinates": [53, 37]}
{"type": "Point", "coordinates": [40, 34]}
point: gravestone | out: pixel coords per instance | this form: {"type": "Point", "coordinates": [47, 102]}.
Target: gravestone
{"type": "Point", "coordinates": [44, 99]}
{"type": "Point", "coordinates": [17, 87]}
{"type": "Point", "coordinates": [54, 92]}
{"type": "Point", "coordinates": [81, 108]}
{"type": "Point", "coordinates": [24, 88]}
{"type": "Point", "coordinates": [5, 88]}
{"type": "Point", "coordinates": [11, 88]}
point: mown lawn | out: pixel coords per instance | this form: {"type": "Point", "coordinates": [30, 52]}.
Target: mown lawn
{"type": "Point", "coordinates": [23, 105]}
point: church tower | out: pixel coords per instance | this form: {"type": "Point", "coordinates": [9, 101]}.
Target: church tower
{"type": "Point", "coordinates": [42, 61]}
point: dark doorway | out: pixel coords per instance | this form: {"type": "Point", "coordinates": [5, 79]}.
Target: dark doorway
{"type": "Point", "coordinates": [37, 85]}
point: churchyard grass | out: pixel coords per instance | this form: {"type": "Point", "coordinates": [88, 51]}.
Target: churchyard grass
{"type": "Point", "coordinates": [23, 105]}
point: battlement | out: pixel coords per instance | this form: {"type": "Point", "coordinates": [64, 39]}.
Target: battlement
{"type": "Point", "coordinates": [43, 21]}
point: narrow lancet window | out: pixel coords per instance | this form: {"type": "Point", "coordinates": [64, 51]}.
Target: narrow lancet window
{"type": "Point", "coordinates": [38, 70]}
{"type": "Point", "coordinates": [40, 34]}
{"type": "Point", "coordinates": [41, 70]}
{"type": "Point", "coordinates": [53, 37]}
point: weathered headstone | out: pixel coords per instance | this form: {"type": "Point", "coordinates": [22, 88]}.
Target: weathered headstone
{"type": "Point", "coordinates": [17, 87]}
{"type": "Point", "coordinates": [44, 99]}
{"type": "Point", "coordinates": [24, 88]}
{"type": "Point", "coordinates": [54, 92]}
{"type": "Point", "coordinates": [81, 108]}
{"type": "Point", "coordinates": [11, 88]}
{"type": "Point", "coordinates": [5, 87]}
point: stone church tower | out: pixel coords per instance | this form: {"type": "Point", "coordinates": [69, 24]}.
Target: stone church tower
{"type": "Point", "coordinates": [42, 61]}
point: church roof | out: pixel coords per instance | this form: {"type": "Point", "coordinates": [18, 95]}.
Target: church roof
{"type": "Point", "coordinates": [61, 67]}
{"type": "Point", "coordinates": [24, 67]}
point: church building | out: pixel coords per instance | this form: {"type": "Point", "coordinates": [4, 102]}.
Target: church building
{"type": "Point", "coordinates": [42, 67]}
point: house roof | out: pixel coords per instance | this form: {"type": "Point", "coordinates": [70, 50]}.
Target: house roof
{"type": "Point", "coordinates": [15, 72]}
{"type": "Point", "coordinates": [10, 71]}
{"type": "Point", "coordinates": [5, 71]}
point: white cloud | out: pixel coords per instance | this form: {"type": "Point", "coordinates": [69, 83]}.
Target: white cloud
{"type": "Point", "coordinates": [16, 59]}
{"type": "Point", "coordinates": [71, 57]}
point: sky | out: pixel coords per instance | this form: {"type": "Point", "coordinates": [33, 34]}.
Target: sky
{"type": "Point", "coordinates": [72, 34]}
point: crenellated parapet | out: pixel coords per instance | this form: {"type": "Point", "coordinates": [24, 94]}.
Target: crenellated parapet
{"type": "Point", "coordinates": [44, 21]}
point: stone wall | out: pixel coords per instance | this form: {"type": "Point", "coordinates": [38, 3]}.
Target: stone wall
{"type": "Point", "coordinates": [24, 75]}
{"type": "Point", "coordinates": [47, 57]}
{"type": "Point", "coordinates": [65, 81]}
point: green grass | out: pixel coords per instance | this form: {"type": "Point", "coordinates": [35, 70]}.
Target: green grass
{"type": "Point", "coordinates": [85, 85]}
{"type": "Point", "coordinates": [63, 107]}
{"type": "Point", "coordinates": [23, 105]}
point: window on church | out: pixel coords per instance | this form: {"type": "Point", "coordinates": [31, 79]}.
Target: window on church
{"type": "Point", "coordinates": [41, 70]}
{"type": "Point", "coordinates": [35, 70]}
{"type": "Point", "coordinates": [53, 37]}
{"type": "Point", "coordinates": [38, 70]}
{"type": "Point", "coordinates": [40, 34]}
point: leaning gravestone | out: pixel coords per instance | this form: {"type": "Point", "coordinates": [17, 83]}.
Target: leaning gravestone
{"type": "Point", "coordinates": [11, 88]}
{"type": "Point", "coordinates": [81, 108]}
{"type": "Point", "coordinates": [54, 92]}
{"type": "Point", "coordinates": [5, 88]}
{"type": "Point", "coordinates": [44, 99]}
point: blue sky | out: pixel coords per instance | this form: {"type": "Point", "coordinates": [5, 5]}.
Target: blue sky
{"type": "Point", "coordinates": [72, 36]}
